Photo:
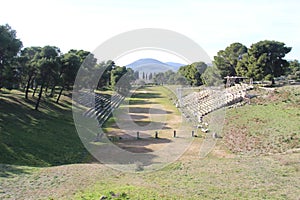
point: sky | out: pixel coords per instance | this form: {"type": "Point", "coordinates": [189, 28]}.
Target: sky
{"type": "Point", "coordinates": [213, 24]}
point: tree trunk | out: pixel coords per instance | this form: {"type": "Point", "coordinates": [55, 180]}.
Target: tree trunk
{"type": "Point", "coordinates": [31, 84]}
{"type": "Point", "coordinates": [1, 78]}
{"type": "Point", "coordinates": [27, 87]}
{"type": "Point", "coordinates": [34, 91]}
{"type": "Point", "coordinates": [52, 91]}
{"type": "Point", "coordinates": [46, 90]}
{"type": "Point", "coordinates": [40, 96]}
{"type": "Point", "coordinates": [61, 90]}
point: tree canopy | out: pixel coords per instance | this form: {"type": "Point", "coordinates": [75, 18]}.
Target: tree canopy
{"type": "Point", "coordinates": [264, 60]}
{"type": "Point", "coordinates": [193, 72]}
{"type": "Point", "coordinates": [43, 70]}
{"type": "Point", "coordinates": [226, 60]}
{"type": "Point", "coordinates": [9, 48]}
{"type": "Point", "coordinates": [293, 71]}
{"type": "Point", "coordinates": [212, 76]}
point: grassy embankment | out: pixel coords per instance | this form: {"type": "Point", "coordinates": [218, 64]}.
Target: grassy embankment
{"type": "Point", "coordinates": [37, 138]}
{"type": "Point", "coordinates": [270, 124]}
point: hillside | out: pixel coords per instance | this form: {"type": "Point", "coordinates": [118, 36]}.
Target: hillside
{"type": "Point", "coordinates": [38, 138]}
{"type": "Point", "coordinates": [175, 65]}
{"type": "Point", "coordinates": [268, 125]}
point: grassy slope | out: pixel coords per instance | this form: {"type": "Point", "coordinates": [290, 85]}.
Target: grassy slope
{"type": "Point", "coordinates": [37, 138]}
{"type": "Point", "coordinates": [270, 124]}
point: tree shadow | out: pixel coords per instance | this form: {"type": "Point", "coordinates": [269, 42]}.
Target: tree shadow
{"type": "Point", "coordinates": [7, 171]}
{"type": "Point", "coordinates": [140, 145]}
{"type": "Point", "coordinates": [138, 117]}
{"type": "Point", "coordinates": [37, 138]}
{"type": "Point", "coordinates": [130, 153]}
{"type": "Point", "coordinates": [142, 126]}
{"type": "Point", "coordinates": [147, 110]}
{"type": "Point", "coordinates": [147, 95]}
{"type": "Point", "coordinates": [26, 103]}
{"type": "Point", "coordinates": [139, 102]}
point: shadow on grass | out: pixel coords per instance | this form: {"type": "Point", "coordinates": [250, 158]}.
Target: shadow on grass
{"type": "Point", "coordinates": [140, 145]}
{"type": "Point", "coordinates": [38, 138]}
{"type": "Point", "coordinates": [139, 102]}
{"type": "Point", "coordinates": [147, 110]}
{"type": "Point", "coordinates": [147, 95]}
{"type": "Point", "coordinates": [7, 171]}
{"type": "Point", "coordinates": [143, 125]}
{"type": "Point", "coordinates": [138, 117]}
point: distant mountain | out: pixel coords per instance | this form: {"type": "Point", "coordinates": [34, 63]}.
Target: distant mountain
{"type": "Point", "coordinates": [149, 65]}
{"type": "Point", "coordinates": [175, 65]}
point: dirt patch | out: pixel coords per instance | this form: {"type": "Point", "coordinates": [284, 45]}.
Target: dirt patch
{"type": "Point", "coordinates": [240, 141]}
{"type": "Point", "coordinates": [220, 152]}
{"type": "Point", "coordinates": [143, 145]}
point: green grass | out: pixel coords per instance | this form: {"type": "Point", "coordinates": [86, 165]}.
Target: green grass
{"type": "Point", "coordinates": [269, 124]}
{"type": "Point", "coordinates": [10, 171]}
{"type": "Point", "coordinates": [210, 178]}
{"type": "Point", "coordinates": [265, 119]}
{"type": "Point", "coordinates": [37, 138]}
{"type": "Point", "coordinates": [116, 191]}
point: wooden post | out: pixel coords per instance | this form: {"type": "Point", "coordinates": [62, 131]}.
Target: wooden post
{"type": "Point", "coordinates": [174, 133]}
{"type": "Point", "coordinates": [156, 134]}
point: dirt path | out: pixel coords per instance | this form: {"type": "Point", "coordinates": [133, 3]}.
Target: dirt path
{"type": "Point", "coordinates": [147, 112]}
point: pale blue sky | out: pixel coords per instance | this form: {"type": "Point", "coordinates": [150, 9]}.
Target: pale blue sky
{"type": "Point", "coordinates": [213, 24]}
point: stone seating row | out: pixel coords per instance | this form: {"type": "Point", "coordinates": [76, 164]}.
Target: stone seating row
{"type": "Point", "coordinates": [198, 104]}
{"type": "Point", "coordinates": [99, 106]}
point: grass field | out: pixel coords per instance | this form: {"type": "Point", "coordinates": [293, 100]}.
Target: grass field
{"type": "Point", "coordinates": [270, 124]}
{"type": "Point", "coordinates": [257, 158]}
